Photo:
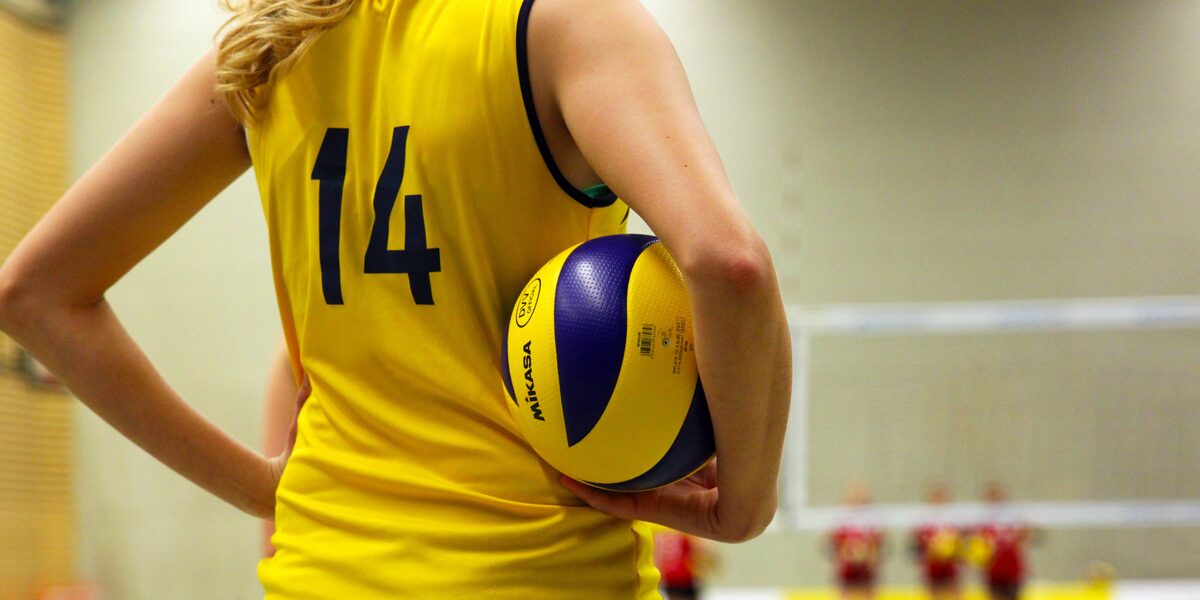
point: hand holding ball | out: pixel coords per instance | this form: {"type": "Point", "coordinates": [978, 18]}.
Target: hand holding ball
{"type": "Point", "coordinates": [600, 366]}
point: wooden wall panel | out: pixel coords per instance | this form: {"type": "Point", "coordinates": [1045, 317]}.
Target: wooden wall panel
{"type": "Point", "coordinates": [37, 523]}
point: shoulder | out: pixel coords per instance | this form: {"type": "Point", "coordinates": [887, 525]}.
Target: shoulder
{"type": "Point", "coordinates": [570, 29]}
{"type": "Point", "coordinates": [572, 13]}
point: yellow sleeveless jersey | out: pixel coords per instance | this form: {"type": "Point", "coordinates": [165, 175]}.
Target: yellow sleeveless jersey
{"type": "Point", "coordinates": [409, 197]}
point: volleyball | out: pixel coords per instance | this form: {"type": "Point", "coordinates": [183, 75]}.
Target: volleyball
{"type": "Point", "coordinates": [600, 366]}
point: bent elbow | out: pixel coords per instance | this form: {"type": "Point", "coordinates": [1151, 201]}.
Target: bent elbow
{"type": "Point", "coordinates": [748, 270]}
{"type": "Point", "coordinates": [740, 266]}
{"type": "Point", "coordinates": [18, 304]}
{"type": "Point", "coordinates": [753, 523]}
{"type": "Point", "coordinates": [10, 299]}
{"type": "Point", "coordinates": [747, 532]}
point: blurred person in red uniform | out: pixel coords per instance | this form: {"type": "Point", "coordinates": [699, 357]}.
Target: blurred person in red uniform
{"type": "Point", "coordinates": [682, 561]}
{"type": "Point", "coordinates": [1000, 545]}
{"type": "Point", "coordinates": [938, 547]}
{"type": "Point", "coordinates": [857, 545]}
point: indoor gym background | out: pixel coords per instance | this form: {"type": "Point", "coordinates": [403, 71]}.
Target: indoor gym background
{"type": "Point", "coordinates": [919, 170]}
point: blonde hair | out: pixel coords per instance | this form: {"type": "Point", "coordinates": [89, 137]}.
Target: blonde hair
{"type": "Point", "coordinates": [263, 39]}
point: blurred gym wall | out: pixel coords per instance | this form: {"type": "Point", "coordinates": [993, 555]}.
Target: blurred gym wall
{"type": "Point", "coordinates": [962, 151]}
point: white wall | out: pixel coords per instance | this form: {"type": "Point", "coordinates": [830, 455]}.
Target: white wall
{"type": "Point", "coordinates": [202, 308]}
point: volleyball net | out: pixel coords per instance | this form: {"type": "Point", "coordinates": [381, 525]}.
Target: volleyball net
{"type": "Point", "coordinates": [1080, 405]}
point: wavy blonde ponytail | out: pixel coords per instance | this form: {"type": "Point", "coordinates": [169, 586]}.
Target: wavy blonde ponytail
{"type": "Point", "coordinates": [263, 38]}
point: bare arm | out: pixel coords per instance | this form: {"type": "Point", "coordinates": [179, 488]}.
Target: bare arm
{"type": "Point", "coordinates": [279, 415]}
{"type": "Point", "coordinates": [168, 166]}
{"type": "Point", "coordinates": [622, 94]}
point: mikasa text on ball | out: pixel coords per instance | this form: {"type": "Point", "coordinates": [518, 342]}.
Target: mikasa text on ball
{"type": "Point", "coordinates": [600, 366]}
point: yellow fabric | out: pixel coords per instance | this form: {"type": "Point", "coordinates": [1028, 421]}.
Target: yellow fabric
{"type": "Point", "coordinates": [409, 479]}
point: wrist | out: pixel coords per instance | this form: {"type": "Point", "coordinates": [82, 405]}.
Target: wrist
{"type": "Point", "coordinates": [255, 485]}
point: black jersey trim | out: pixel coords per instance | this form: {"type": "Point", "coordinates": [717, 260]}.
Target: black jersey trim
{"type": "Point", "coordinates": [536, 127]}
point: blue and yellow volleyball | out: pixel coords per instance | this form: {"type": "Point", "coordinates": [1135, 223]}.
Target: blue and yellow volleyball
{"type": "Point", "coordinates": [600, 366]}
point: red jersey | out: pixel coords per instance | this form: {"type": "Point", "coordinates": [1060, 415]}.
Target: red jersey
{"type": "Point", "coordinates": [939, 548]}
{"type": "Point", "coordinates": [1006, 556]}
{"type": "Point", "coordinates": [856, 552]}
{"type": "Point", "coordinates": [673, 555]}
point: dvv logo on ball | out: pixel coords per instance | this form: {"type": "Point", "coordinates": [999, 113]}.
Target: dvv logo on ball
{"type": "Point", "coordinates": [527, 303]}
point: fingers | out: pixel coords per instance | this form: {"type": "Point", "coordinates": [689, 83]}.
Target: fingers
{"type": "Point", "coordinates": [689, 506]}
{"type": "Point", "coordinates": [275, 466]}
{"type": "Point", "coordinates": [617, 505]}
{"type": "Point", "coordinates": [302, 394]}
{"type": "Point", "coordinates": [587, 493]}
{"type": "Point", "coordinates": [707, 475]}
{"type": "Point", "coordinates": [303, 391]}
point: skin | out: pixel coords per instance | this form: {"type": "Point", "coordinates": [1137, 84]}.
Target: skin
{"type": "Point", "coordinates": [651, 147]}
{"type": "Point", "coordinates": [173, 161]}
{"type": "Point", "coordinates": [280, 408]}
{"type": "Point", "coordinates": [654, 150]}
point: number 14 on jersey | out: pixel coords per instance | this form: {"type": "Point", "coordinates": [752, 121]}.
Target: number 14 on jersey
{"type": "Point", "coordinates": [417, 259]}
